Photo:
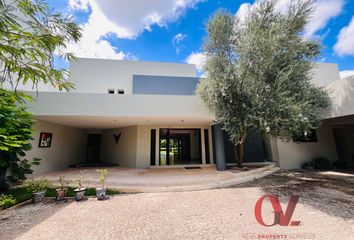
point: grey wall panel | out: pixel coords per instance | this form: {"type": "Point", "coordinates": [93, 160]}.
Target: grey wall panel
{"type": "Point", "coordinates": [164, 85]}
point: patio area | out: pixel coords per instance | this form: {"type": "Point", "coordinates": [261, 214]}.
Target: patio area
{"type": "Point", "coordinates": [162, 179]}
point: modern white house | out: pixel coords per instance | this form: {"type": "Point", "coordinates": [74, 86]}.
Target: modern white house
{"type": "Point", "coordinates": [145, 114]}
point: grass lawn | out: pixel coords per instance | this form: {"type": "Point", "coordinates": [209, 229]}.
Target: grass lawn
{"type": "Point", "coordinates": [21, 194]}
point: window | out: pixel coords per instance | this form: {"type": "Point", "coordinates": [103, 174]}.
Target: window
{"type": "Point", "coordinates": [180, 146]}
{"type": "Point", "coordinates": [110, 91]}
{"type": "Point", "coordinates": [306, 136]}
{"type": "Point", "coordinates": [120, 91]}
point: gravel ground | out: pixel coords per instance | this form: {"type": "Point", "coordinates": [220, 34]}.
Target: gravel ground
{"type": "Point", "coordinates": [325, 210]}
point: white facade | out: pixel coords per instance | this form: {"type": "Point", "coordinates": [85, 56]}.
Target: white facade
{"type": "Point", "coordinates": [99, 75]}
{"type": "Point", "coordinates": [71, 117]}
{"type": "Point", "coordinates": [91, 109]}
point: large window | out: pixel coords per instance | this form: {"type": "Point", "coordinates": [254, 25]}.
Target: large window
{"type": "Point", "coordinates": [180, 146]}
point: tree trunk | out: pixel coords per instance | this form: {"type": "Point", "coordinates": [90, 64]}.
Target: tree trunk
{"type": "Point", "coordinates": [239, 153]}
{"type": "Point", "coordinates": [240, 161]}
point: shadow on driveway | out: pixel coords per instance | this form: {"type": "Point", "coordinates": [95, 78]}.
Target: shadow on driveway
{"type": "Point", "coordinates": [329, 191]}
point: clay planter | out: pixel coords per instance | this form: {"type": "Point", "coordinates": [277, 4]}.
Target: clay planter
{"type": "Point", "coordinates": [101, 193]}
{"type": "Point", "coordinates": [60, 194]}
{"type": "Point", "coordinates": [38, 196]}
{"type": "Point", "coordinates": [79, 194]}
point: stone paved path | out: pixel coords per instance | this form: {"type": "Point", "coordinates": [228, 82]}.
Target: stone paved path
{"type": "Point", "coordinates": [210, 214]}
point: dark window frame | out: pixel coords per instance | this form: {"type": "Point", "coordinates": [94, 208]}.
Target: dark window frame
{"type": "Point", "coordinates": [306, 137]}
{"type": "Point", "coordinates": [152, 147]}
{"type": "Point", "coordinates": [168, 147]}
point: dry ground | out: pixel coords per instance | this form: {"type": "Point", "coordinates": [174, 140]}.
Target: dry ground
{"type": "Point", "coordinates": [325, 210]}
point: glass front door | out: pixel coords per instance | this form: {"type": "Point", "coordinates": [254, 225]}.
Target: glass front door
{"type": "Point", "coordinates": [180, 146]}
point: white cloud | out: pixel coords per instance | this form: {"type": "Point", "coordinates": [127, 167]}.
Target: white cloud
{"type": "Point", "coordinates": [91, 44]}
{"type": "Point", "coordinates": [324, 11]}
{"type": "Point", "coordinates": [122, 19]}
{"type": "Point", "coordinates": [346, 73]}
{"type": "Point", "coordinates": [345, 43]}
{"type": "Point", "coordinates": [130, 18]}
{"type": "Point", "coordinates": [243, 11]}
{"type": "Point", "coordinates": [177, 41]}
{"type": "Point", "coordinates": [198, 59]}
{"type": "Point", "coordinates": [79, 4]}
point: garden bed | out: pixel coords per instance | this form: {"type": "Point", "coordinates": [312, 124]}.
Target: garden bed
{"type": "Point", "coordinates": [21, 194]}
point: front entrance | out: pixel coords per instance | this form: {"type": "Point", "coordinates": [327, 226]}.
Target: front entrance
{"type": "Point", "coordinates": [180, 146]}
{"type": "Point", "coordinates": [93, 148]}
{"type": "Point", "coordinates": [344, 139]}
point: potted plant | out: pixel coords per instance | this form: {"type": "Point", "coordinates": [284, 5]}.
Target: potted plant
{"type": "Point", "coordinates": [38, 189]}
{"type": "Point", "coordinates": [101, 190]}
{"type": "Point", "coordinates": [80, 191]}
{"type": "Point", "coordinates": [62, 190]}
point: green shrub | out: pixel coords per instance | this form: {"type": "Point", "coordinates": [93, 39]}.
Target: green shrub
{"type": "Point", "coordinates": [320, 163]}
{"type": "Point", "coordinates": [37, 185]}
{"type": "Point", "coordinates": [339, 164]}
{"type": "Point", "coordinates": [15, 134]}
{"type": "Point", "coordinates": [305, 165]}
{"type": "Point", "coordinates": [6, 201]}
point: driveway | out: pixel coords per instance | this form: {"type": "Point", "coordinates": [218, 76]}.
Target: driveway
{"type": "Point", "coordinates": [325, 211]}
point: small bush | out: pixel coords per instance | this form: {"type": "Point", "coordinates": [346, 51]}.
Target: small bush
{"type": "Point", "coordinates": [320, 163]}
{"type": "Point", "coordinates": [305, 165]}
{"type": "Point", "coordinates": [339, 164]}
{"type": "Point", "coordinates": [37, 185]}
{"type": "Point", "coordinates": [6, 201]}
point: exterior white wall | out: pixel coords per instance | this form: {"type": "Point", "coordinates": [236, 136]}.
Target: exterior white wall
{"type": "Point", "coordinates": [143, 149]}
{"type": "Point", "coordinates": [97, 75]}
{"type": "Point", "coordinates": [342, 95]}
{"type": "Point", "coordinates": [122, 153]}
{"type": "Point", "coordinates": [325, 73]}
{"type": "Point", "coordinates": [68, 147]}
{"type": "Point", "coordinates": [106, 111]}
{"type": "Point", "coordinates": [291, 154]}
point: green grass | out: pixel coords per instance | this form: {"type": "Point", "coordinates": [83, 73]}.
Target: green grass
{"type": "Point", "coordinates": [21, 194]}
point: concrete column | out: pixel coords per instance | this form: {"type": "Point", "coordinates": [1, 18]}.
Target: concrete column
{"type": "Point", "coordinates": [219, 148]}
{"type": "Point", "coordinates": [202, 142]}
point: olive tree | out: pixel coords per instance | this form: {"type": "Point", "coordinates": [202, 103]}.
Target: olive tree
{"type": "Point", "coordinates": [258, 73]}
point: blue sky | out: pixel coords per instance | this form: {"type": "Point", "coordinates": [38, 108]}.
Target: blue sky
{"type": "Point", "coordinates": [173, 30]}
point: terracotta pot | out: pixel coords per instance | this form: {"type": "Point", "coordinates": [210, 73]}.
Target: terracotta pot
{"type": "Point", "coordinates": [101, 193]}
{"type": "Point", "coordinates": [38, 196]}
{"type": "Point", "coordinates": [60, 194]}
{"type": "Point", "coordinates": [79, 194]}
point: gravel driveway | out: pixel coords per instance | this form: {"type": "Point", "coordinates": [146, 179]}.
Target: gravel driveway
{"type": "Point", "coordinates": [325, 210]}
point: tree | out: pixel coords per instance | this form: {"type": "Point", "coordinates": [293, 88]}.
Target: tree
{"type": "Point", "coordinates": [30, 36]}
{"type": "Point", "coordinates": [258, 73]}
{"type": "Point", "coordinates": [15, 134]}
